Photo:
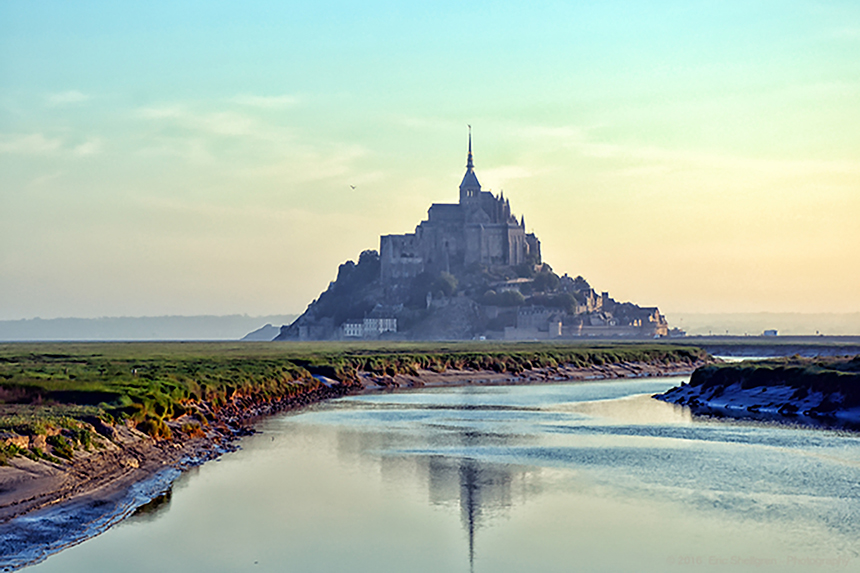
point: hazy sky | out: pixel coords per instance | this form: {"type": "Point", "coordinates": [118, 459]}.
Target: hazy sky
{"type": "Point", "coordinates": [196, 157]}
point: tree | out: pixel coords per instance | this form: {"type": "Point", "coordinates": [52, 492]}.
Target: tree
{"type": "Point", "coordinates": [545, 281]}
{"type": "Point", "coordinates": [511, 298]}
{"type": "Point", "coordinates": [504, 298]}
{"type": "Point", "coordinates": [439, 284]}
{"type": "Point", "coordinates": [581, 284]}
{"type": "Point", "coordinates": [445, 284]}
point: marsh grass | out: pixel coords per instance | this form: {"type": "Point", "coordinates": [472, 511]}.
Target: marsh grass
{"type": "Point", "coordinates": [62, 446]}
{"type": "Point", "coordinates": [828, 375]}
{"type": "Point", "coordinates": [7, 452]}
{"type": "Point", "coordinates": [50, 385]}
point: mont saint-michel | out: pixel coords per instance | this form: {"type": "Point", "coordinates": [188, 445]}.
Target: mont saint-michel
{"type": "Point", "coordinates": [469, 271]}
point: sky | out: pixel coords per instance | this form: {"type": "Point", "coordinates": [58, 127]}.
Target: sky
{"type": "Point", "coordinates": [161, 158]}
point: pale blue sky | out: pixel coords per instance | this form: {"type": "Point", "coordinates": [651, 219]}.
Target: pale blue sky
{"type": "Point", "coordinates": [196, 157]}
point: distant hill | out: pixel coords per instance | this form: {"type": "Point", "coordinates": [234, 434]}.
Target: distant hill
{"type": "Point", "coordinates": [229, 327]}
{"type": "Point", "coordinates": [265, 333]}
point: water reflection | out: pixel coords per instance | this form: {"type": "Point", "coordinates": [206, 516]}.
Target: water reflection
{"type": "Point", "coordinates": [481, 490]}
{"type": "Point", "coordinates": [153, 509]}
{"type": "Point", "coordinates": [488, 458]}
{"type": "Point", "coordinates": [587, 477]}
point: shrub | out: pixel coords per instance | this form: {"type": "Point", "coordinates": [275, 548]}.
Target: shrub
{"type": "Point", "coordinates": [62, 446]}
{"type": "Point", "coordinates": [37, 454]}
{"type": "Point", "coordinates": [507, 298]}
{"type": "Point", "coordinates": [192, 430]}
{"type": "Point", "coordinates": [510, 298]}
{"type": "Point", "coordinates": [545, 281]}
{"type": "Point", "coordinates": [525, 270]}
{"type": "Point", "coordinates": [156, 428]}
{"type": "Point", "coordinates": [7, 451]}
{"type": "Point", "coordinates": [445, 283]}
{"type": "Point", "coordinates": [83, 437]}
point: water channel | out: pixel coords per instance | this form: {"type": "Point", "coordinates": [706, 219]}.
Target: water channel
{"type": "Point", "coordinates": [564, 477]}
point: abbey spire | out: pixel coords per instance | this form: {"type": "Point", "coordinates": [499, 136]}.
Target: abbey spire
{"type": "Point", "coordinates": [470, 165]}
{"type": "Point", "coordinates": [470, 188]}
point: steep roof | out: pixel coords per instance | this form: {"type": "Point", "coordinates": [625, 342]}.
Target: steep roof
{"type": "Point", "coordinates": [470, 180]}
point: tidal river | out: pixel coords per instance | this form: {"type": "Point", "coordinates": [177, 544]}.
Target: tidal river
{"type": "Point", "coordinates": [568, 477]}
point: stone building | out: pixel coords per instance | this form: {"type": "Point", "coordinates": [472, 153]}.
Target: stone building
{"type": "Point", "coordinates": [479, 229]}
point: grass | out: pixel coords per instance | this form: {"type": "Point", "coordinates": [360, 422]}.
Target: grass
{"type": "Point", "coordinates": [7, 452]}
{"type": "Point", "coordinates": [73, 386]}
{"type": "Point", "coordinates": [828, 375]}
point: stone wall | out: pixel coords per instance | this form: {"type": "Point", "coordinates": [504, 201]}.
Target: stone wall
{"type": "Point", "coordinates": [399, 257]}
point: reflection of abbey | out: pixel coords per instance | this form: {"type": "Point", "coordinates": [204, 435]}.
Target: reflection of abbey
{"type": "Point", "coordinates": [470, 271]}
{"type": "Point", "coordinates": [479, 229]}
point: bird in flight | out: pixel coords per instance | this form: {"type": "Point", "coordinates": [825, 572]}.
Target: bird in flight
{"type": "Point", "coordinates": [352, 187]}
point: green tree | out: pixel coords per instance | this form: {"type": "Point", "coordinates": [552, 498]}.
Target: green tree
{"type": "Point", "coordinates": [445, 284]}
{"type": "Point", "coordinates": [545, 281]}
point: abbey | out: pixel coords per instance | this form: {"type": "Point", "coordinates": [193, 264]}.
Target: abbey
{"type": "Point", "coordinates": [469, 271]}
{"type": "Point", "coordinates": [479, 229]}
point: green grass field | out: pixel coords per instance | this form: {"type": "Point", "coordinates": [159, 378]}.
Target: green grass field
{"type": "Point", "coordinates": [45, 385]}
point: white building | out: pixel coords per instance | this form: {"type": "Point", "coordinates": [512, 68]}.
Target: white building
{"type": "Point", "coordinates": [369, 327]}
{"type": "Point", "coordinates": [353, 328]}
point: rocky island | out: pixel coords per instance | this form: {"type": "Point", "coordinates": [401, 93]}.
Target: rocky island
{"type": "Point", "coordinates": [470, 271]}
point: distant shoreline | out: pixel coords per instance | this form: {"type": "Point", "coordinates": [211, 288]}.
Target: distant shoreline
{"type": "Point", "coordinates": [755, 323]}
{"type": "Point", "coordinates": [237, 326]}
{"type": "Point", "coordinates": [773, 346]}
{"type": "Point", "coordinates": [142, 328]}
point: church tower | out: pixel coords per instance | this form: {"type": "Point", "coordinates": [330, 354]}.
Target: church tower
{"type": "Point", "coordinates": [470, 189]}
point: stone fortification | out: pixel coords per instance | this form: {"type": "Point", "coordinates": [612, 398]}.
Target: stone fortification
{"type": "Point", "coordinates": [469, 270]}
{"type": "Point", "coordinates": [480, 229]}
